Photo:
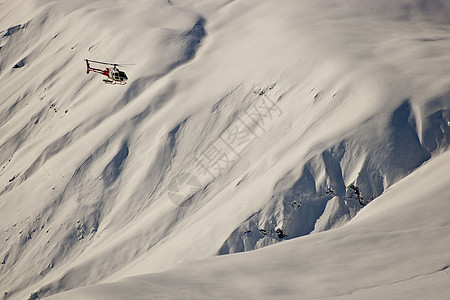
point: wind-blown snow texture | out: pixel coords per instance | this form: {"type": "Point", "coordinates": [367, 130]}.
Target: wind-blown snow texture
{"type": "Point", "coordinates": [396, 248]}
{"type": "Point", "coordinates": [243, 124]}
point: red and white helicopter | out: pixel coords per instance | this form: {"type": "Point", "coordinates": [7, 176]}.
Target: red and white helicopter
{"type": "Point", "coordinates": [115, 76]}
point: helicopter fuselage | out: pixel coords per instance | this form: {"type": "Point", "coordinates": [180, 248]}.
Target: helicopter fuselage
{"type": "Point", "coordinates": [115, 76]}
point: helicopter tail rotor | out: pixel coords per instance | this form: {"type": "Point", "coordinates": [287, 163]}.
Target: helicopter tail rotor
{"type": "Point", "coordinates": [88, 69]}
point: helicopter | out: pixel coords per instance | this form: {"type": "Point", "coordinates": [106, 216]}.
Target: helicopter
{"type": "Point", "coordinates": [115, 76]}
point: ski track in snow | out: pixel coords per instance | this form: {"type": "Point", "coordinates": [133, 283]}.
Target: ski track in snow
{"type": "Point", "coordinates": [243, 124]}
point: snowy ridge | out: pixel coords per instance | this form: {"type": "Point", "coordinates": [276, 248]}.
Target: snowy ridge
{"type": "Point", "coordinates": [338, 182]}
{"type": "Point", "coordinates": [398, 243]}
{"type": "Point", "coordinates": [243, 124]}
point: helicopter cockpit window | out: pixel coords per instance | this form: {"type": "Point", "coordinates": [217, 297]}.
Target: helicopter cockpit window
{"type": "Point", "coordinates": [123, 75]}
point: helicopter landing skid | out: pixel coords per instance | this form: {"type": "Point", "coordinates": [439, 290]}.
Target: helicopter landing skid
{"type": "Point", "coordinates": [112, 82]}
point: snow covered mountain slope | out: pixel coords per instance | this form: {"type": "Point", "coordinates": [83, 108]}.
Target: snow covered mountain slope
{"type": "Point", "coordinates": [243, 124]}
{"type": "Point", "coordinates": [396, 248]}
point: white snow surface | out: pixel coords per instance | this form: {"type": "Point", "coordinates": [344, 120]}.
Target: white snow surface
{"type": "Point", "coordinates": [243, 124]}
{"type": "Point", "coordinates": [396, 248]}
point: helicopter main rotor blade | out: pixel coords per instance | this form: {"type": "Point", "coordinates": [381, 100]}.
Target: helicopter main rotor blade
{"type": "Point", "coordinates": [100, 62]}
{"type": "Point", "coordinates": [109, 64]}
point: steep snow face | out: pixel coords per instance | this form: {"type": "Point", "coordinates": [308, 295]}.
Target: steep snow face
{"type": "Point", "coordinates": [396, 247]}
{"type": "Point", "coordinates": [243, 124]}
